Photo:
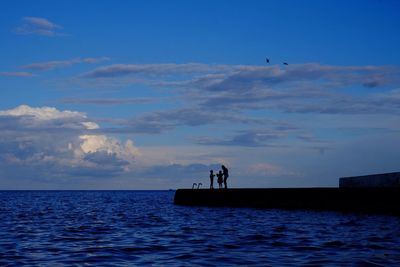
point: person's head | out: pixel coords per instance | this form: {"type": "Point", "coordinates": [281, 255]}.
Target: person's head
{"type": "Point", "coordinates": [223, 167]}
{"type": "Point", "coordinates": [211, 171]}
{"type": "Point", "coordinates": [220, 171]}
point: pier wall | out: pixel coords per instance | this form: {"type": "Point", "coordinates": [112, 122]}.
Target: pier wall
{"type": "Point", "coordinates": [375, 180]}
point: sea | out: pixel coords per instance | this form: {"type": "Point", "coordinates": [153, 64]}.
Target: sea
{"type": "Point", "coordinates": [140, 228]}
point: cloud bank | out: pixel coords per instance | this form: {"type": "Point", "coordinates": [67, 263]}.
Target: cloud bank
{"type": "Point", "coordinates": [297, 88]}
{"type": "Point", "coordinates": [56, 143]}
{"type": "Point", "coordinates": [211, 94]}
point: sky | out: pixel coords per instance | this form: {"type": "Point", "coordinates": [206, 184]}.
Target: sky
{"type": "Point", "coordinates": [154, 94]}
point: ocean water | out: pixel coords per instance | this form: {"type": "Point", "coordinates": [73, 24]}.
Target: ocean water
{"type": "Point", "coordinates": [135, 228]}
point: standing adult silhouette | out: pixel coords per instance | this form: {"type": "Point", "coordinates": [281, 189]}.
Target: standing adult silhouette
{"type": "Point", "coordinates": [225, 174]}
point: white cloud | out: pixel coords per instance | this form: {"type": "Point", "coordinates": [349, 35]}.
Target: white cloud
{"type": "Point", "coordinates": [41, 22]}
{"type": "Point", "coordinates": [90, 125]}
{"type": "Point", "coordinates": [16, 74]}
{"type": "Point", "coordinates": [44, 113]}
{"type": "Point", "coordinates": [38, 26]}
{"type": "Point", "coordinates": [57, 64]}
{"type": "Point", "coordinates": [96, 143]}
{"type": "Point", "coordinates": [116, 70]}
{"type": "Point", "coordinates": [107, 101]}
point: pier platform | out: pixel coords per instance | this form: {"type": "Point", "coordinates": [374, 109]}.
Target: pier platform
{"type": "Point", "coordinates": [383, 200]}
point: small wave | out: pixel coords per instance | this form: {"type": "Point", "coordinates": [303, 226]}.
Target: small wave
{"type": "Point", "coordinates": [256, 237]}
{"type": "Point", "coordinates": [184, 257]}
{"type": "Point", "coordinates": [306, 248]}
{"type": "Point", "coordinates": [368, 263]}
{"type": "Point", "coordinates": [351, 222]}
{"type": "Point", "coordinates": [280, 229]}
{"type": "Point", "coordinates": [376, 246]}
{"type": "Point", "coordinates": [279, 244]}
{"type": "Point", "coordinates": [231, 246]}
{"type": "Point", "coordinates": [375, 239]}
{"type": "Point", "coordinates": [334, 244]}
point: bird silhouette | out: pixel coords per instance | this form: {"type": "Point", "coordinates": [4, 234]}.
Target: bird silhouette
{"type": "Point", "coordinates": [267, 60]}
{"type": "Point", "coordinates": [284, 63]}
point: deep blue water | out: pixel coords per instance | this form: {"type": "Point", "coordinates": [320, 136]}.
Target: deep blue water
{"type": "Point", "coordinates": [133, 228]}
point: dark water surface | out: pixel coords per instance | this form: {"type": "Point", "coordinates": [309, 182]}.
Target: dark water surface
{"type": "Point", "coordinates": [133, 228]}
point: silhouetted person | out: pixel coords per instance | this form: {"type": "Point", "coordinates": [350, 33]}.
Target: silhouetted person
{"type": "Point", "coordinates": [220, 179]}
{"type": "Point", "coordinates": [226, 175]}
{"type": "Point", "coordinates": [212, 175]}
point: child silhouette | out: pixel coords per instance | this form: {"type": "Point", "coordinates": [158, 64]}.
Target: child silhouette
{"type": "Point", "coordinates": [220, 179]}
{"type": "Point", "coordinates": [212, 175]}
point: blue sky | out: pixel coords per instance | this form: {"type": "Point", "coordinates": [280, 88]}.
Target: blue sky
{"type": "Point", "coordinates": [153, 94]}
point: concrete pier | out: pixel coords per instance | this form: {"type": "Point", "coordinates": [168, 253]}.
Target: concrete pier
{"type": "Point", "coordinates": [374, 180]}
{"type": "Point", "coordinates": [369, 200]}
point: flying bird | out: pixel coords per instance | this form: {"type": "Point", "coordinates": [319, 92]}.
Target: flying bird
{"type": "Point", "coordinates": [284, 63]}
{"type": "Point", "coordinates": [267, 60]}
